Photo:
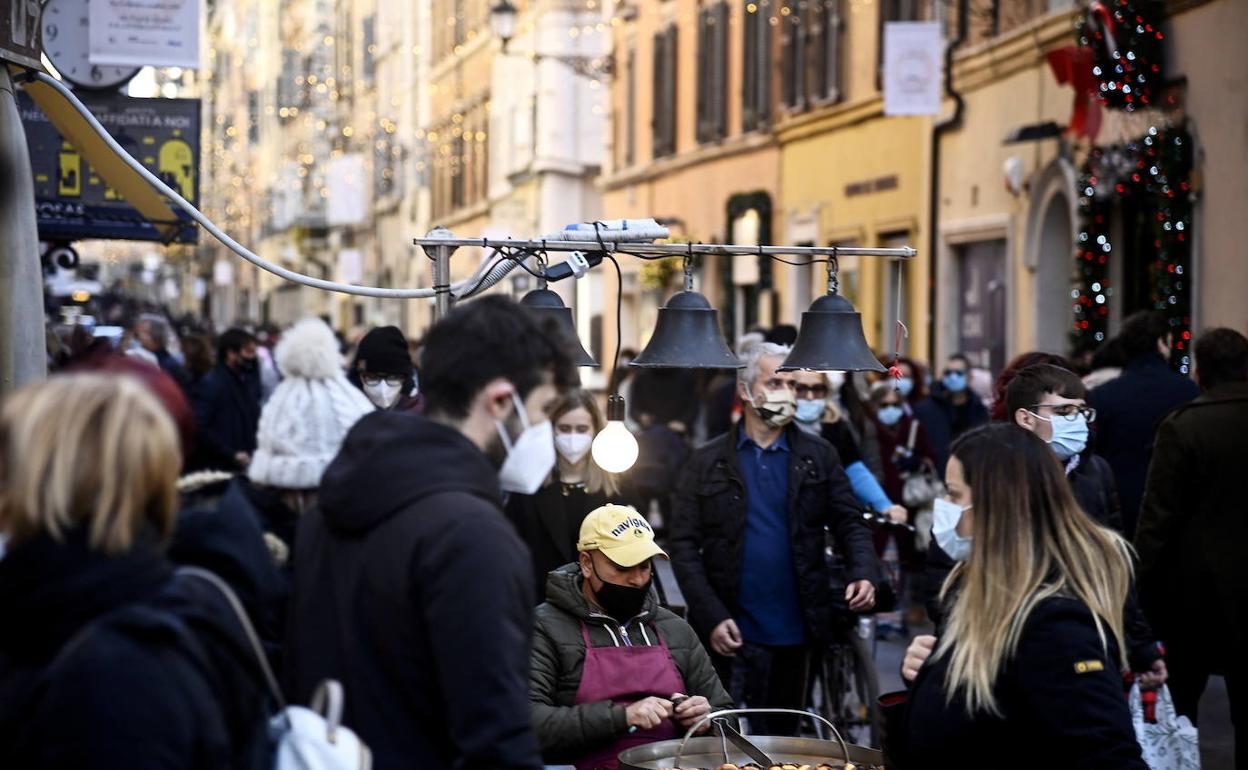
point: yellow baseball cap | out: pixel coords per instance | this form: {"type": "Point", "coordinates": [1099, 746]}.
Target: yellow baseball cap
{"type": "Point", "coordinates": [621, 533]}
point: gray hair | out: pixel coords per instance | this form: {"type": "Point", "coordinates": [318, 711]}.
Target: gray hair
{"type": "Point", "coordinates": [756, 353]}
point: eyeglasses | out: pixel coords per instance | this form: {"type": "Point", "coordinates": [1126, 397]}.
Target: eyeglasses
{"type": "Point", "coordinates": [393, 380]}
{"type": "Point", "coordinates": [812, 391]}
{"type": "Point", "coordinates": [1068, 411]}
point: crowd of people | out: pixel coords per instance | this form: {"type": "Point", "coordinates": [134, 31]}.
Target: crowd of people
{"type": "Point", "coordinates": [422, 521]}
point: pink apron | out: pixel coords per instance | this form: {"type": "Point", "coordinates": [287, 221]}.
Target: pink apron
{"type": "Point", "coordinates": [625, 675]}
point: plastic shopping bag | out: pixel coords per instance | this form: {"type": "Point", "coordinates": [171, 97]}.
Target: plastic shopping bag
{"type": "Point", "coordinates": [1169, 743]}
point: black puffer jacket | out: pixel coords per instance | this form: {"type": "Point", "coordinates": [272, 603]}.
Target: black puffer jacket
{"type": "Point", "coordinates": [111, 662]}
{"type": "Point", "coordinates": [414, 591]}
{"type": "Point", "coordinates": [708, 530]}
{"type": "Point", "coordinates": [567, 731]}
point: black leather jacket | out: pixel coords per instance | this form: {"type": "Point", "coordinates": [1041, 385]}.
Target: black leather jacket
{"type": "Point", "coordinates": [708, 530]}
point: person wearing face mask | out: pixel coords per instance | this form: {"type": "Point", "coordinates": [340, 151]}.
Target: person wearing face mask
{"type": "Point", "coordinates": [549, 521]}
{"type": "Point", "coordinates": [1030, 649]}
{"type": "Point", "coordinates": [382, 368]}
{"type": "Point", "coordinates": [951, 409]}
{"type": "Point", "coordinates": [903, 441]}
{"type": "Point", "coordinates": [611, 668]}
{"type": "Point", "coordinates": [749, 519]}
{"type": "Point", "coordinates": [410, 586]}
{"type": "Point", "coordinates": [819, 416]}
{"type": "Point", "coordinates": [226, 403]}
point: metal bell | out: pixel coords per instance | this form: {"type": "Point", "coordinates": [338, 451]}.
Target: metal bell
{"type": "Point", "coordinates": [547, 304]}
{"type": "Point", "coordinates": [831, 340]}
{"type": "Point", "coordinates": [687, 336]}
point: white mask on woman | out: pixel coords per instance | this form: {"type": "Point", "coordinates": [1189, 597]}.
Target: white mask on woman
{"type": "Point", "coordinates": [573, 446]}
{"type": "Point", "coordinates": [945, 518]}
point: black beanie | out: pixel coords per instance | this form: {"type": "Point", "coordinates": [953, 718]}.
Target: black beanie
{"type": "Point", "coordinates": [384, 350]}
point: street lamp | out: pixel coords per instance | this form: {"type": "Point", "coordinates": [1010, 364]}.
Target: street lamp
{"type": "Point", "coordinates": [503, 17]}
{"type": "Point", "coordinates": [503, 20]}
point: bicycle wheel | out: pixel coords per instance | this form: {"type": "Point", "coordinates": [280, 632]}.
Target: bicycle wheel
{"type": "Point", "coordinates": [849, 689]}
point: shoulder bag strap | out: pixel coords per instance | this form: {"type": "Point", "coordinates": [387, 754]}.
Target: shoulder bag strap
{"type": "Point", "coordinates": [241, 614]}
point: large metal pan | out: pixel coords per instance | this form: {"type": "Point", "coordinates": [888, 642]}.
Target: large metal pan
{"type": "Point", "coordinates": [714, 751]}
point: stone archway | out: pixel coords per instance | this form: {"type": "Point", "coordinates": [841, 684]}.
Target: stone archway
{"type": "Point", "coordinates": [1049, 256]}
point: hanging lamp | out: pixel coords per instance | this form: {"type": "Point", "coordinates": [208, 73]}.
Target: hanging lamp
{"type": "Point", "coordinates": [831, 338]}
{"type": "Point", "coordinates": [546, 304]}
{"type": "Point", "coordinates": [687, 334]}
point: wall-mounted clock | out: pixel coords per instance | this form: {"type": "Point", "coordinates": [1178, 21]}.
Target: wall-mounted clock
{"type": "Point", "coordinates": [67, 45]}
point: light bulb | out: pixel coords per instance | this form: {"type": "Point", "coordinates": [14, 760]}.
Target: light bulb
{"type": "Point", "coordinates": [615, 448]}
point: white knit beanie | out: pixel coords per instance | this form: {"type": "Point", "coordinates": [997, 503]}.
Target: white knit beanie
{"type": "Point", "coordinates": [308, 415]}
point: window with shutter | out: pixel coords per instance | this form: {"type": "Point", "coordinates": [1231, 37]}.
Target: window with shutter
{"type": "Point", "coordinates": [712, 72]}
{"type": "Point", "coordinates": [706, 57]}
{"type": "Point", "coordinates": [664, 119]}
{"type": "Point", "coordinates": [756, 85]}
{"type": "Point", "coordinates": [719, 93]}
{"type": "Point", "coordinates": [630, 110]}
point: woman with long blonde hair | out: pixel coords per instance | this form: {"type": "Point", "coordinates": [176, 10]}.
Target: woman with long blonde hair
{"type": "Point", "coordinates": [107, 660]}
{"type": "Point", "coordinates": [549, 521]}
{"type": "Point", "coordinates": [1026, 670]}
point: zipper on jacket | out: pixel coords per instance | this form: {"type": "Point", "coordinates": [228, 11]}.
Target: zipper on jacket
{"type": "Point", "coordinates": [624, 635]}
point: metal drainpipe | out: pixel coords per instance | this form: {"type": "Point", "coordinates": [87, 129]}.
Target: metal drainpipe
{"type": "Point", "coordinates": [938, 130]}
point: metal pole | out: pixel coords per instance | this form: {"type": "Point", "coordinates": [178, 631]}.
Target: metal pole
{"type": "Point", "coordinates": [23, 347]}
{"type": "Point", "coordinates": [441, 256]}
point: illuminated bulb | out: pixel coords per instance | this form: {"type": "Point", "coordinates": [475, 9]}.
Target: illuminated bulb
{"type": "Point", "coordinates": [614, 449]}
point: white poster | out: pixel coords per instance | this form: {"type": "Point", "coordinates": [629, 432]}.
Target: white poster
{"type": "Point", "coordinates": [348, 190]}
{"type": "Point", "coordinates": [350, 266]}
{"type": "Point", "coordinates": [159, 33]}
{"type": "Point", "coordinates": [912, 53]}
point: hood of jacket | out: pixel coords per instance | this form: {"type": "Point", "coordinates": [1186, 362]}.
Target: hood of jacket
{"type": "Point", "coordinates": [391, 460]}
{"type": "Point", "coordinates": [563, 591]}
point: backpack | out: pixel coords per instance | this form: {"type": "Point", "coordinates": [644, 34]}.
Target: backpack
{"type": "Point", "coordinates": [310, 738]}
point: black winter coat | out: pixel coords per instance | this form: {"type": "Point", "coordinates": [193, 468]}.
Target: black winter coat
{"type": "Point", "coordinates": [227, 415]}
{"type": "Point", "coordinates": [1061, 697]}
{"type": "Point", "coordinates": [1092, 483]}
{"type": "Point", "coordinates": [549, 523]}
{"type": "Point", "coordinates": [1128, 410]}
{"type": "Point", "coordinates": [708, 529]}
{"type": "Point", "coordinates": [111, 662]}
{"type": "Point", "coordinates": [1193, 577]}
{"type": "Point", "coordinates": [944, 421]}
{"type": "Point", "coordinates": [413, 590]}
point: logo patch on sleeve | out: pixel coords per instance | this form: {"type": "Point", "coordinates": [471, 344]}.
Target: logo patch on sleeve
{"type": "Point", "coordinates": [1088, 666]}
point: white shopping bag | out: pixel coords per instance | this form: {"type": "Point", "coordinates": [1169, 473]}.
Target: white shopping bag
{"type": "Point", "coordinates": [1171, 742]}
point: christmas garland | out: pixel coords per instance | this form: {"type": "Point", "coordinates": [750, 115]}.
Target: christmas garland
{"type": "Point", "coordinates": [1154, 170]}
{"type": "Point", "coordinates": [1125, 38]}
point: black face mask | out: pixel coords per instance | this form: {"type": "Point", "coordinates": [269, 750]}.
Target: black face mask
{"type": "Point", "coordinates": [248, 364]}
{"type": "Point", "coordinates": [621, 602]}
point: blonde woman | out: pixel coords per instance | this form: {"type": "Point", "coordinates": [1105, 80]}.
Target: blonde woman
{"type": "Point", "coordinates": [105, 659]}
{"type": "Point", "coordinates": [1026, 671]}
{"type": "Point", "coordinates": [549, 521]}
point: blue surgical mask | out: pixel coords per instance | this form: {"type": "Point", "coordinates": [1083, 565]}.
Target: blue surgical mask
{"type": "Point", "coordinates": [945, 518]}
{"type": "Point", "coordinates": [810, 409]}
{"type": "Point", "coordinates": [890, 415]}
{"type": "Point", "coordinates": [1070, 437]}
{"type": "Point", "coordinates": [954, 382]}
{"type": "Point", "coordinates": [905, 386]}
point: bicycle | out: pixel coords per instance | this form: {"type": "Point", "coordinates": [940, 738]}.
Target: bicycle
{"type": "Point", "coordinates": [845, 686]}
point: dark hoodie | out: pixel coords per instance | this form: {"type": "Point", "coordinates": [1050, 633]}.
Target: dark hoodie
{"type": "Point", "coordinates": [111, 662]}
{"type": "Point", "coordinates": [414, 591]}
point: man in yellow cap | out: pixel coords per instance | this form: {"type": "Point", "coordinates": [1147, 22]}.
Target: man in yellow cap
{"type": "Point", "coordinates": [611, 669]}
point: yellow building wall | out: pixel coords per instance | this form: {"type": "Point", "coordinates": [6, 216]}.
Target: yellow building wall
{"type": "Point", "coordinates": [825, 154]}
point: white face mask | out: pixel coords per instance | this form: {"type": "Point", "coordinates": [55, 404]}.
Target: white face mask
{"type": "Point", "coordinates": [573, 446]}
{"type": "Point", "coordinates": [530, 457]}
{"type": "Point", "coordinates": [383, 395]}
{"type": "Point", "coordinates": [945, 518]}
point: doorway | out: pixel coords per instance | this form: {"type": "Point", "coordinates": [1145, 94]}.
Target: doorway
{"type": "Point", "coordinates": [981, 303]}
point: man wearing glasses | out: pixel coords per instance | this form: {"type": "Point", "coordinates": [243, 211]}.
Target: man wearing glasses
{"type": "Point", "coordinates": [1051, 402]}
{"type": "Point", "coordinates": [383, 370]}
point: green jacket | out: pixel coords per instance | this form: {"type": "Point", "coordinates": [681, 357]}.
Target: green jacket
{"type": "Point", "coordinates": [566, 731]}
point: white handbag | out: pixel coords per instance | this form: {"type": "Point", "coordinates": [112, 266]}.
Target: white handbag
{"type": "Point", "coordinates": [1171, 742]}
{"type": "Point", "coordinates": [303, 738]}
